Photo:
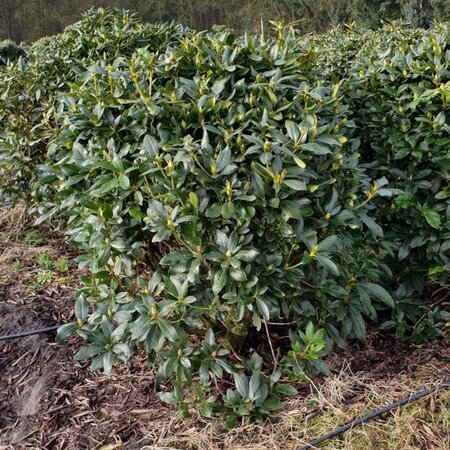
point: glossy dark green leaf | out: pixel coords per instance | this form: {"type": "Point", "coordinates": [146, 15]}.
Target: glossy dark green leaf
{"type": "Point", "coordinates": [228, 210]}
{"type": "Point", "coordinates": [380, 293]}
{"type": "Point", "coordinates": [297, 185]}
{"type": "Point", "coordinates": [432, 217]}
{"type": "Point", "coordinates": [104, 256]}
{"type": "Point", "coordinates": [220, 279]}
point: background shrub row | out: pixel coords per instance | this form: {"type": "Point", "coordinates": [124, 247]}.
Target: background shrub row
{"type": "Point", "coordinates": [396, 82]}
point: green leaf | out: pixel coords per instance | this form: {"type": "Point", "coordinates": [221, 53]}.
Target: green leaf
{"type": "Point", "coordinates": [309, 332]}
{"type": "Point", "coordinates": [220, 279]}
{"type": "Point", "coordinates": [98, 110]}
{"type": "Point", "coordinates": [140, 328]}
{"type": "Point", "coordinates": [328, 264]}
{"type": "Point", "coordinates": [327, 243]}
{"type": "Point", "coordinates": [316, 148]}
{"type": "Point", "coordinates": [405, 200]}
{"type": "Point", "coordinates": [295, 184]}
{"type": "Point", "coordinates": [214, 211]}
{"type": "Point", "coordinates": [124, 181]}
{"type": "Point", "coordinates": [359, 326]}
{"type": "Point", "coordinates": [107, 326]}
{"type": "Point", "coordinates": [254, 385]}
{"type": "Point", "coordinates": [238, 274]}
{"type": "Point", "coordinates": [293, 130]}
{"type": "Point", "coordinates": [380, 293]}
{"type": "Point", "coordinates": [258, 185]}
{"type": "Point", "coordinates": [108, 360]}
{"type": "Point", "coordinates": [241, 382]}
{"type": "Point", "coordinates": [292, 210]}
{"type": "Point", "coordinates": [376, 230]}
{"type": "Point", "coordinates": [228, 210]}
{"type": "Point", "coordinates": [285, 389]}
{"type": "Point", "coordinates": [272, 404]}
{"type": "Point", "coordinates": [108, 186]}
{"type": "Point", "coordinates": [300, 163]}
{"type": "Point", "coordinates": [231, 422]}
{"type": "Point", "coordinates": [219, 86]}
{"type": "Point", "coordinates": [209, 337]}
{"type": "Point", "coordinates": [122, 349]}
{"type": "Point", "coordinates": [263, 309]}
{"type": "Point", "coordinates": [168, 330]}
{"type": "Point", "coordinates": [65, 331]}
{"type": "Point", "coordinates": [176, 257]}
{"type": "Point", "coordinates": [223, 159]}
{"type": "Point", "coordinates": [151, 145]}
{"type": "Point", "coordinates": [104, 256]}
{"type": "Point", "coordinates": [193, 199]}
{"type": "Point", "coordinates": [432, 217]}
{"type": "Point", "coordinates": [81, 308]}
{"type": "Point", "coordinates": [247, 255]}
{"type": "Point", "coordinates": [167, 397]}
{"type": "Point", "coordinates": [88, 352]}
{"type": "Point", "coordinates": [321, 366]}
{"type": "Point", "coordinates": [206, 409]}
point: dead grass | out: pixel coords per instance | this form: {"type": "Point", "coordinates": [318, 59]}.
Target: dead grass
{"type": "Point", "coordinates": [22, 253]}
{"type": "Point", "coordinates": [421, 425]}
{"type": "Point", "coordinates": [12, 221]}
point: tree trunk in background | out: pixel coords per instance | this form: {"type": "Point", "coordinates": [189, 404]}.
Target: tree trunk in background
{"type": "Point", "coordinates": [27, 20]}
{"type": "Point", "coordinates": [417, 12]}
{"type": "Point", "coordinates": [8, 23]}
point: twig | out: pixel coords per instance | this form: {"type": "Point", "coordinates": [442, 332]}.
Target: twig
{"type": "Point", "coordinates": [270, 345]}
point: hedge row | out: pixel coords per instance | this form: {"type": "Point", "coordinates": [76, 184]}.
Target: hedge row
{"type": "Point", "coordinates": [223, 187]}
{"type": "Point", "coordinates": [30, 86]}
{"type": "Point", "coordinates": [397, 85]}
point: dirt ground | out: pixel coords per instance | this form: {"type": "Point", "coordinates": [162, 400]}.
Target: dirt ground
{"type": "Point", "coordinates": [49, 401]}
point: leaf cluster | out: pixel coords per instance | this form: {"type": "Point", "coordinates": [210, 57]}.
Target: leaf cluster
{"type": "Point", "coordinates": [395, 82]}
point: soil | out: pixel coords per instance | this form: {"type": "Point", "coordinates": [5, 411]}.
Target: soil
{"type": "Point", "coordinates": [50, 401]}
{"type": "Point", "coordinates": [19, 398]}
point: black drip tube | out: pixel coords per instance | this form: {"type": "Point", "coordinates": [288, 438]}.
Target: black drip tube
{"type": "Point", "coordinates": [313, 444]}
{"type": "Point", "coordinates": [7, 337]}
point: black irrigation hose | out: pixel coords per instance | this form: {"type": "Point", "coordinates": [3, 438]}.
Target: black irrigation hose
{"type": "Point", "coordinates": [313, 444]}
{"type": "Point", "coordinates": [7, 337]}
{"type": "Point", "coordinates": [25, 269]}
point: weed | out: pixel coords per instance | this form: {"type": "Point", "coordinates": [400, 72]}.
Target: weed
{"type": "Point", "coordinates": [44, 277]}
{"type": "Point", "coordinates": [45, 260]}
{"type": "Point", "coordinates": [32, 237]}
{"type": "Point", "coordinates": [16, 265]}
{"type": "Point", "coordinates": [61, 265]}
